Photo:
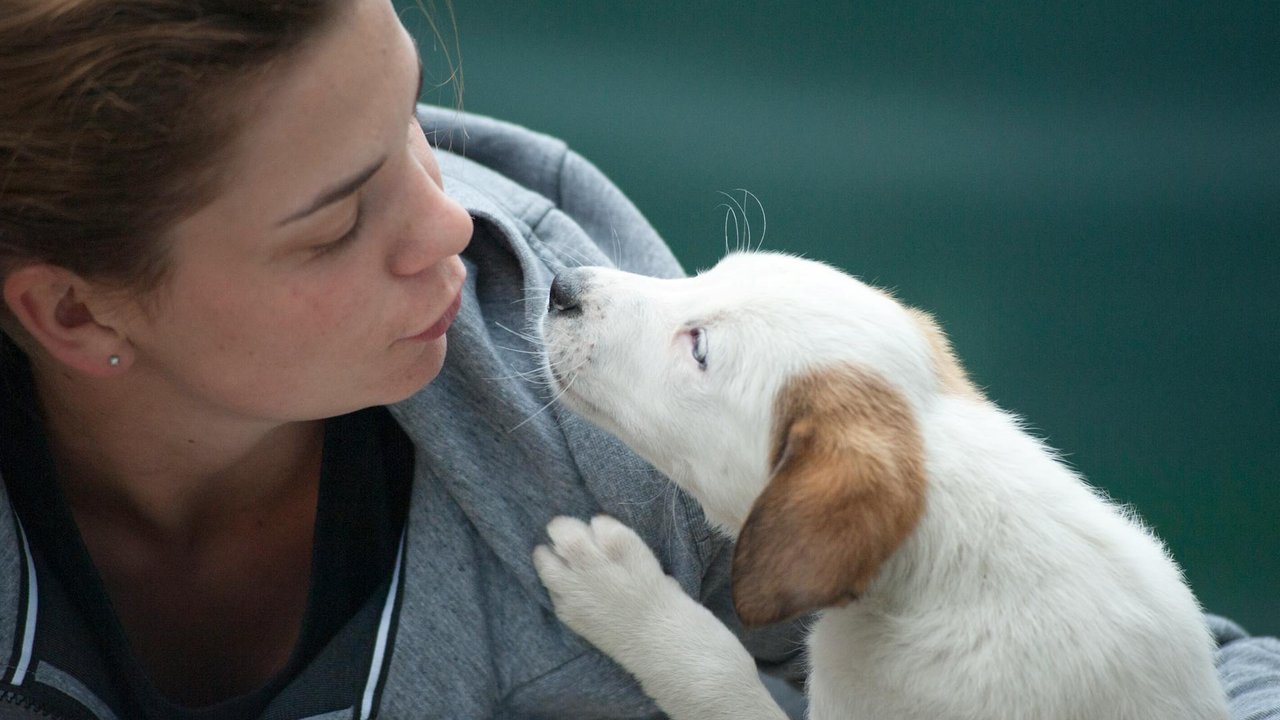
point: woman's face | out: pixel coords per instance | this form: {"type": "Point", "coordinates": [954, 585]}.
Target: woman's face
{"type": "Point", "coordinates": [322, 278]}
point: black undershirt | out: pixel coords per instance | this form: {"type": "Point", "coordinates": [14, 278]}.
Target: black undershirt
{"type": "Point", "coordinates": [365, 478]}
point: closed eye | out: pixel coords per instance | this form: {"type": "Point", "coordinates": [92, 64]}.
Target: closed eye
{"type": "Point", "coordinates": [348, 237]}
{"type": "Point", "coordinates": [698, 336]}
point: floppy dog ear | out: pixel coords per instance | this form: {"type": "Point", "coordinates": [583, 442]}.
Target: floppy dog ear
{"type": "Point", "coordinates": [847, 488]}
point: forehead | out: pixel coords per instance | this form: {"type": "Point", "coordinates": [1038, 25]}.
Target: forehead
{"type": "Point", "coordinates": [787, 314]}
{"type": "Point", "coordinates": [321, 112]}
{"type": "Point", "coordinates": [773, 284]}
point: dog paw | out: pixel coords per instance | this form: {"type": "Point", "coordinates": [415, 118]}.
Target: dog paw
{"type": "Point", "coordinates": [603, 579]}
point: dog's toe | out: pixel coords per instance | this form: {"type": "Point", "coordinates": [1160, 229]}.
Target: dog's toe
{"type": "Point", "coordinates": [604, 553]}
{"type": "Point", "coordinates": [565, 530]}
{"type": "Point", "coordinates": [620, 544]}
{"type": "Point", "coordinates": [547, 562]}
{"type": "Point", "coordinates": [572, 540]}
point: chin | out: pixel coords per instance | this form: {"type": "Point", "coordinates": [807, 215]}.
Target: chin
{"type": "Point", "coordinates": [422, 369]}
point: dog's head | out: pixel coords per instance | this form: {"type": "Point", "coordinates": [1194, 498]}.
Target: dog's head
{"type": "Point", "coordinates": [781, 393]}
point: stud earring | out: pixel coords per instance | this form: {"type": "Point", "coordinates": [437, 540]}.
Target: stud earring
{"type": "Point", "coordinates": [114, 361]}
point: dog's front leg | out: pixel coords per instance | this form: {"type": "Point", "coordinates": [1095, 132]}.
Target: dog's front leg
{"type": "Point", "coordinates": [608, 587]}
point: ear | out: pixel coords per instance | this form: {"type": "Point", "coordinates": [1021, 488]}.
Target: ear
{"type": "Point", "coordinates": [51, 304]}
{"type": "Point", "coordinates": [847, 488]}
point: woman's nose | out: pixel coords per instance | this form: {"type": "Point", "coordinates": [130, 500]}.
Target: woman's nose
{"type": "Point", "coordinates": [437, 227]}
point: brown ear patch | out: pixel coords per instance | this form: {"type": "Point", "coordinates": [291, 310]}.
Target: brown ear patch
{"type": "Point", "coordinates": [848, 487]}
{"type": "Point", "coordinates": [951, 375]}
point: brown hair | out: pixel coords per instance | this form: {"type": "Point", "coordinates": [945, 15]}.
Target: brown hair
{"type": "Point", "coordinates": [113, 114]}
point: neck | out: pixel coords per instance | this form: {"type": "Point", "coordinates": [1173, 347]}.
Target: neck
{"type": "Point", "coordinates": [128, 454]}
{"type": "Point", "coordinates": [726, 492]}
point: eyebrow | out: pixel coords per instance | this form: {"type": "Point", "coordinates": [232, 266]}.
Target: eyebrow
{"type": "Point", "coordinates": [338, 192]}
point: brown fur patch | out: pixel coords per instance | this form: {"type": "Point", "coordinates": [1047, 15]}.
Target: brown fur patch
{"type": "Point", "coordinates": [951, 375]}
{"type": "Point", "coordinates": [848, 487]}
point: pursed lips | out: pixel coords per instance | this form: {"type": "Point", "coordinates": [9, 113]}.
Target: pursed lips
{"type": "Point", "coordinates": [442, 324]}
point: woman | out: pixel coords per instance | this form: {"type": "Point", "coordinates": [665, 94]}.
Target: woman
{"type": "Point", "coordinates": [224, 238]}
{"type": "Point", "coordinates": [229, 259]}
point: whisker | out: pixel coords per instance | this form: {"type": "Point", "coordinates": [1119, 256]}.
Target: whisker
{"type": "Point", "coordinates": [536, 377]}
{"type": "Point", "coordinates": [764, 218]}
{"type": "Point", "coordinates": [550, 402]}
{"type": "Point", "coordinates": [746, 220]}
{"type": "Point", "coordinates": [737, 231]}
{"type": "Point", "coordinates": [532, 294]}
{"type": "Point", "coordinates": [617, 248]}
{"type": "Point", "coordinates": [526, 376]}
{"type": "Point", "coordinates": [577, 256]}
{"type": "Point", "coordinates": [726, 227]}
{"type": "Point", "coordinates": [535, 340]}
{"type": "Point", "coordinates": [572, 254]}
{"type": "Point", "coordinates": [518, 350]}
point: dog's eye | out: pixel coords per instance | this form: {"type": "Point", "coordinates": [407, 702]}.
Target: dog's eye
{"type": "Point", "coordinates": [699, 337]}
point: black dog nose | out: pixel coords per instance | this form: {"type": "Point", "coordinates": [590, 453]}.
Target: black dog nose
{"type": "Point", "coordinates": [566, 292]}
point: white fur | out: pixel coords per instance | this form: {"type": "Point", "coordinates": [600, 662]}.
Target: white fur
{"type": "Point", "coordinates": [1021, 593]}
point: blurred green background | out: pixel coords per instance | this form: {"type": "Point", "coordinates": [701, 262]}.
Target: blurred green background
{"type": "Point", "coordinates": [1086, 194]}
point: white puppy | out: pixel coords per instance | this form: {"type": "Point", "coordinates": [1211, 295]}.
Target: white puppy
{"type": "Point", "coordinates": [958, 568]}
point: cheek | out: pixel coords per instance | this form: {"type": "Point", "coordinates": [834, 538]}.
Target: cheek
{"type": "Point", "coordinates": [277, 320]}
{"type": "Point", "coordinates": [343, 312]}
{"type": "Point", "coordinates": [636, 369]}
